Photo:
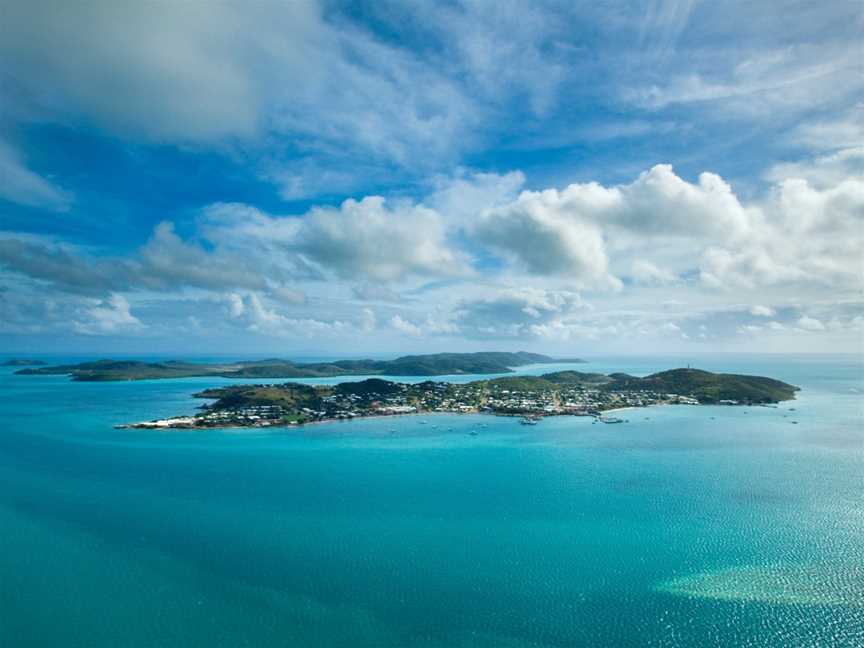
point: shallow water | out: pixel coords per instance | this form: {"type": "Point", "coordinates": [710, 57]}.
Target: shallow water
{"type": "Point", "coordinates": [687, 526]}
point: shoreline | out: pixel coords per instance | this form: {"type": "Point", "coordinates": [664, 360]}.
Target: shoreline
{"type": "Point", "coordinates": [151, 425]}
{"type": "Point", "coordinates": [597, 415]}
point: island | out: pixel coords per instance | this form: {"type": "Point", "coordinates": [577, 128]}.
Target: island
{"type": "Point", "coordinates": [438, 364]}
{"type": "Point", "coordinates": [22, 362]}
{"type": "Point", "coordinates": [529, 397]}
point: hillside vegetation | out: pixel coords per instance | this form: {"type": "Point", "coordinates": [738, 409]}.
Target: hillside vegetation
{"type": "Point", "coordinates": [438, 364]}
{"type": "Point", "coordinates": [706, 386]}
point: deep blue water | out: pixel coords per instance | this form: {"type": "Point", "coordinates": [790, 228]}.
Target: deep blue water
{"type": "Point", "coordinates": [686, 526]}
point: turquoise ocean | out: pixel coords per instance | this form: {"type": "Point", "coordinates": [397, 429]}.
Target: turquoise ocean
{"type": "Point", "coordinates": [685, 526]}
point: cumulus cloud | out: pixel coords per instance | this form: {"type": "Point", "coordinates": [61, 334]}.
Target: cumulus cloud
{"type": "Point", "coordinates": [62, 266]}
{"type": "Point", "coordinates": [429, 272]}
{"type": "Point", "coordinates": [517, 312]}
{"type": "Point", "coordinates": [660, 202]}
{"type": "Point", "coordinates": [53, 314]}
{"type": "Point", "coordinates": [367, 239]}
{"type": "Point", "coordinates": [582, 230]}
{"type": "Point", "coordinates": [168, 260]}
{"type": "Point", "coordinates": [362, 240]}
{"type": "Point", "coordinates": [762, 311]}
{"type": "Point", "coordinates": [823, 171]}
{"type": "Point", "coordinates": [543, 231]}
{"type": "Point", "coordinates": [807, 235]}
{"type": "Point", "coordinates": [810, 323]}
{"type": "Point", "coordinates": [654, 230]}
{"type": "Point", "coordinates": [257, 317]}
{"type": "Point", "coordinates": [404, 326]}
{"type": "Point", "coordinates": [367, 320]}
{"type": "Point", "coordinates": [165, 262]}
{"type": "Point", "coordinates": [109, 316]}
{"type": "Point", "coordinates": [646, 272]}
{"type": "Point", "coordinates": [286, 294]}
{"type": "Point", "coordinates": [461, 198]}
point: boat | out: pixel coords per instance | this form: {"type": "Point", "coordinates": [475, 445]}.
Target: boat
{"type": "Point", "coordinates": [473, 433]}
{"type": "Point", "coordinates": [610, 419]}
{"type": "Point", "coordinates": [529, 420]}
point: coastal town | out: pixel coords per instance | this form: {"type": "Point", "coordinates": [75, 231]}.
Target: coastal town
{"type": "Point", "coordinates": [528, 397]}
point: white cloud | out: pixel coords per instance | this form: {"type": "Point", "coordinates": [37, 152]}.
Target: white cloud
{"type": "Point", "coordinates": [367, 320]}
{"type": "Point", "coordinates": [257, 317]}
{"type": "Point", "coordinates": [684, 248]}
{"type": "Point", "coordinates": [810, 324]}
{"type": "Point", "coordinates": [765, 84]}
{"type": "Point", "coordinates": [646, 272]}
{"type": "Point", "coordinates": [236, 307]}
{"type": "Point", "coordinates": [369, 239]}
{"type": "Point", "coordinates": [155, 70]}
{"type": "Point", "coordinates": [658, 229]}
{"type": "Point", "coordinates": [110, 316]}
{"type": "Point", "coordinates": [225, 75]}
{"type": "Point", "coordinates": [19, 184]}
{"type": "Point", "coordinates": [543, 231]}
{"type": "Point", "coordinates": [518, 312]}
{"type": "Point", "coordinates": [750, 328]}
{"type": "Point", "coordinates": [824, 171]}
{"type": "Point", "coordinates": [762, 311]}
{"type": "Point", "coordinates": [575, 231]}
{"type": "Point", "coordinates": [842, 131]}
{"type": "Point", "coordinates": [320, 102]}
{"type": "Point", "coordinates": [660, 202]}
{"type": "Point", "coordinates": [368, 291]}
{"type": "Point", "coordinates": [404, 326]}
{"type": "Point", "coordinates": [463, 197]}
{"type": "Point", "coordinates": [168, 260]}
{"type": "Point", "coordinates": [286, 294]}
{"type": "Point", "coordinates": [807, 235]}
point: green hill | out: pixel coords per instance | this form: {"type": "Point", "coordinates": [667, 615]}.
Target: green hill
{"type": "Point", "coordinates": [370, 386]}
{"type": "Point", "coordinates": [519, 383]}
{"type": "Point", "coordinates": [288, 395]}
{"type": "Point", "coordinates": [415, 365]}
{"type": "Point", "coordinates": [708, 387]}
{"type": "Point", "coordinates": [576, 378]}
{"type": "Point", "coordinates": [22, 362]}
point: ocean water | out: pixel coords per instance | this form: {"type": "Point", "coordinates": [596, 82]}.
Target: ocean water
{"type": "Point", "coordinates": [686, 526]}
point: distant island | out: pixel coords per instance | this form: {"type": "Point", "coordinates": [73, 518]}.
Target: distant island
{"type": "Point", "coordinates": [22, 362]}
{"type": "Point", "coordinates": [531, 397]}
{"type": "Point", "coordinates": [438, 364]}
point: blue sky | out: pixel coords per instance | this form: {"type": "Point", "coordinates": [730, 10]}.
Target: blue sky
{"type": "Point", "coordinates": [350, 177]}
